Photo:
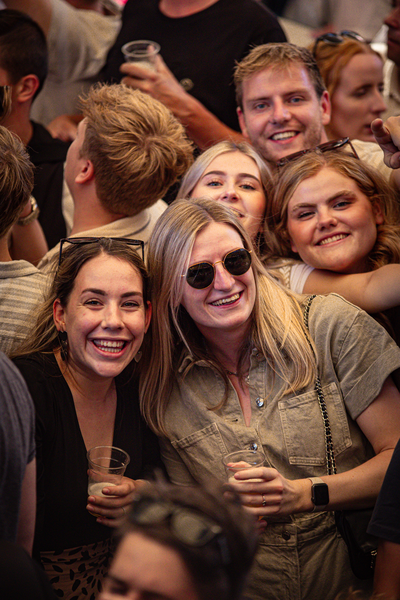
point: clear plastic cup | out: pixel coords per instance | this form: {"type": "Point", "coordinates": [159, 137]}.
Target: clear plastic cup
{"type": "Point", "coordinates": [107, 465]}
{"type": "Point", "coordinates": [141, 51]}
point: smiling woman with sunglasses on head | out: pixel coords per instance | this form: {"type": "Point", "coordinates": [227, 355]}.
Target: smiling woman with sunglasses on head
{"type": "Point", "coordinates": [78, 365]}
{"type": "Point", "coordinates": [229, 366]}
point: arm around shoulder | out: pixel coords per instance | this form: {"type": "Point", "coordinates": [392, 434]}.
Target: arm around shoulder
{"type": "Point", "coordinates": [374, 291]}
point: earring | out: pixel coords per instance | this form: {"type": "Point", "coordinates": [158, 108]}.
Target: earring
{"type": "Point", "coordinates": [63, 338]}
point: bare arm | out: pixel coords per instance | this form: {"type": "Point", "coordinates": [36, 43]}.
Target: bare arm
{"type": "Point", "coordinates": [356, 488]}
{"type": "Point", "coordinates": [201, 125]}
{"type": "Point", "coordinates": [27, 242]}
{"type": "Point", "coordinates": [27, 513]}
{"type": "Point", "coordinates": [373, 291]}
{"type": "Point", "coordinates": [387, 571]}
{"type": "Point", "coordinates": [39, 10]}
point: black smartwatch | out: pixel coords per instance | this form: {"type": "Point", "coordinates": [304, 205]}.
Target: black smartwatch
{"type": "Point", "coordinates": [319, 494]}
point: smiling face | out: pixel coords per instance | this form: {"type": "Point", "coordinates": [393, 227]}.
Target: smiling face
{"type": "Point", "coordinates": [234, 178]}
{"type": "Point", "coordinates": [105, 317]}
{"type": "Point", "coordinates": [227, 304]}
{"type": "Point", "coordinates": [393, 36]}
{"type": "Point", "coordinates": [331, 223]}
{"type": "Point", "coordinates": [358, 100]}
{"type": "Point", "coordinates": [282, 113]}
{"type": "Point", "coordinates": [144, 569]}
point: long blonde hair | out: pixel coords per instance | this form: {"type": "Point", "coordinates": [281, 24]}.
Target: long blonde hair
{"type": "Point", "coordinates": [370, 182]}
{"type": "Point", "coordinates": [276, 329]}
{"type": "Point", "coordinates": [202, 162]}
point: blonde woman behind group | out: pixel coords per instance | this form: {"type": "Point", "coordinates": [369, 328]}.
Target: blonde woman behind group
{"type": "Point", "coordinates": [234, 173]}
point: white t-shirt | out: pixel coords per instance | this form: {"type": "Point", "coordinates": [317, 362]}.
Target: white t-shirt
{"type": "Point", "coordinates": [78, 41]}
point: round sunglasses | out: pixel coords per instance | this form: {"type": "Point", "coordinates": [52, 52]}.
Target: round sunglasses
{"type": "Point", "coordinates": [201, 275]}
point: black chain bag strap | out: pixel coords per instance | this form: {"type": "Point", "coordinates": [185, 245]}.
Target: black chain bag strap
{"type": "Point", "coordinates": [351, 524]}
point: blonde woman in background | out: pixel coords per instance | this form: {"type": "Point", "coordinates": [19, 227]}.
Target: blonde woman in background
{"type": "Point", "coordinates": [234, 173]}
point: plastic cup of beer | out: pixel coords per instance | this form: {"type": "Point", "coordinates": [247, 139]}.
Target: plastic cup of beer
{"type": "Point", "coordinates": [107, 466]}
{"type": "Point", "coordinates": [241, 460]}
{"type": "Point", "coordinates": [141, 51]}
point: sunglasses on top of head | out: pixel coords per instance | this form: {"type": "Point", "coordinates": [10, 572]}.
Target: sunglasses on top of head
{"type": "Point", "coordinates": [201, 275]}
{"type": "Point", "coordinates": [338, 38]}
{"type": "Point", "coordinates": [321, 148]}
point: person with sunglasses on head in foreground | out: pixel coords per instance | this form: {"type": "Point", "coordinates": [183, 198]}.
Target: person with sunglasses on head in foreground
{"type": "Point", "coordinates": [229, 366]}
{"type": "Point", "coordinates": [182, 544]}
{"type": "Point", "coordinates": [78, 363]}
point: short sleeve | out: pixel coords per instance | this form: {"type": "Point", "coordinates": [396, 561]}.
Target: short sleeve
{"type": "Point", "coordinates": [299, 273]}
{"type": "Point", "coordinates": [354, 347]}
{"type": "Point", "coordinates": [78, 41]}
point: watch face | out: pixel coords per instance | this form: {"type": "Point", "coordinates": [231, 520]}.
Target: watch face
{"type": "Point", "coordinates": [320, 494]}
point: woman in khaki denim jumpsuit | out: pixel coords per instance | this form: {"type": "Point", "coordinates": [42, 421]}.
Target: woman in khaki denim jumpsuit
{"type": "Point", "coordinates": [230, 367]}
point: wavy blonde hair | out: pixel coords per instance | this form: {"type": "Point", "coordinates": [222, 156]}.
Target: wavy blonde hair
{"type": "Point", "coordinates": [370, 182]}
{"type": "Point", "coordinates": [278, 334]}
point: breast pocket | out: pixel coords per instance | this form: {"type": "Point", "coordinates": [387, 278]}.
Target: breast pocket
{"type": "Point", "coordinates": [303, 427]}
{"type": "Point", "coordinates": [202, 452]}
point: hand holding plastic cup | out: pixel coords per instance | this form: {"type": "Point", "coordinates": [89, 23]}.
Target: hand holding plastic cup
{"type": "Point", "coordinates": [142, 52]}
{"type": "Point", "coordinates": [241, 460]}
{"type": "Point", "coordinates": [107, 466]}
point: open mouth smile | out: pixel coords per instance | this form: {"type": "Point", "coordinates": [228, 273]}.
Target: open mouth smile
{"type": "Point", "coordinates": [333, 238]}
{"type": "Point", "coordinates": [111, 346]}
{"type": "Point", "coordinates": [224, 301]}
{"type": "Point", "coordinates": [283, 135]}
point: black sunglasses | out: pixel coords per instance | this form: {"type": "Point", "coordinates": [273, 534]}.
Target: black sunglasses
{"type": "Point", "coordinates": [93, 240]}
{"type": "Point", "coordinates": [188, 526]}
{"type": "Point", "coordinates": [338, 38]}
{"type": "Point", "coordinates": [201, 275]}
{"type": "Point", "coordinates": [325, 147]}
